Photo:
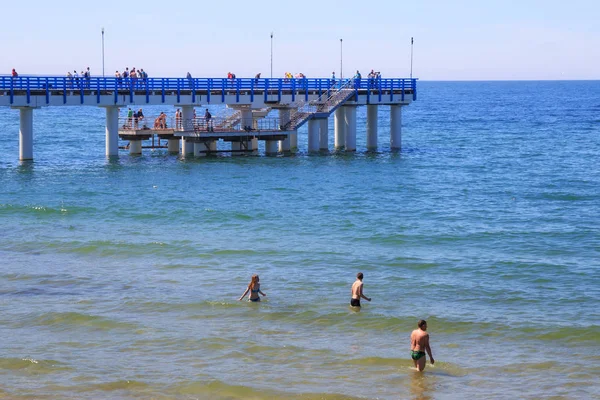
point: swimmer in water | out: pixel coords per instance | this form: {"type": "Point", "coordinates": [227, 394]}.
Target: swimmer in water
{"type": "Point", "coordinates": [357, 291]}
{"type": "Point", "coordinates": [419, 343]}
{"type": "Point", "coordinates": [254, 289]}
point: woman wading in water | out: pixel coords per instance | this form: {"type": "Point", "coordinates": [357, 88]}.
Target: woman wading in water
{"type": "Point", "coordinates": [254, 289]}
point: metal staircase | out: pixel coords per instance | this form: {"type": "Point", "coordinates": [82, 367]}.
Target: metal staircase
{"type": "Point", "coordinates": [323, 105]}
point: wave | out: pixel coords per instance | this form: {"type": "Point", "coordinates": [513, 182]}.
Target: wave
{"type": "Point", "coordinates": [36, 366]}
{"type": "Point", "coordinates": [67, 320]}
{"type": "Point", "coordinates": [43, 210]}
{"type": "Point", "coordinates": [217, 390]}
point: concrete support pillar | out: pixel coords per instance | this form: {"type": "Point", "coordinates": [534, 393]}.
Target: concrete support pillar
{"type": "Point", "coordinates": [246, 118]}
{"type": "Point", "coordinates": [235, 147]}
{"type": "Point", "coordinates": [396, 127]}
{"type": "Point", "coordinates": [293, 141]}
{"type": "Point", "coordinates": [212, 145]}
{"type": "Point", "coordinates": [294, 138]}
{"type": "Point", "coordinates": [173, 145]}
{"type": "Point", "coordinates": [313, 135]}
{"type": "Point", "coordinates": [339, 128]}
{"type": "Point", "coordinates": [324, 134]}
{"type": "Point", "coordinates": [372, 127]}
{"type": "Point", "coordinates": [350, 114]}
{"type": "Point", "coordinates": [284, 118]}
{"type": "Point", "coordinates": [253, 146]}
{"type": "Point", "coordinates": [25, 134]}
{"type": "Point", "coordinates": [112, 131]}
{"type": "Point", "coordinates": [135, 147]}
{"type": "Point", "coordinates": [187, 116]}
{"type": "Point", "coordinates": [271, 147]}
{"type": "Point", "coordinates": [200, 149]}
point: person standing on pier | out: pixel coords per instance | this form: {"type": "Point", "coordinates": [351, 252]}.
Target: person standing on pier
{"type": "Point", "coordinates": [14, 73]}
{"type": "Point", "coordinates": [357, 79]}
{"type": "Point", "coordinates": [419, 344]}
{"type": "Point", "coordinates": [254, 289]}
{"type": "Point", "coordinates": [129, 117]}
{"type": "Point", "coordinates": [178, 119]}
{"type": "Point", "coordinates": [76, 78]}
{"type": "Point", "coordinates": [357, 291]}
{"type": "Point", "coordinates": [88, 77]}
{"type": "Point", "coordinates": [207, 118]}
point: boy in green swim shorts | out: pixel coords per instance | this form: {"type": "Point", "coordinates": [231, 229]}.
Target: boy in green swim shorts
{"type": "Point", "coordinates": [419, 343]}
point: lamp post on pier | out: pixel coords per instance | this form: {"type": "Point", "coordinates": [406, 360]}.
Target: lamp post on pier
{"type": "Point", "coordinates": [341, 59]}
{"type": "Point", "coordinates": [103, 52]}
{"type": "Point", "coordinates": [271, 55]}
{"type": "Point", "coordinates": [411, 56]}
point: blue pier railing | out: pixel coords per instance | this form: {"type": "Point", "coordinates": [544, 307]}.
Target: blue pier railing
{"type": "Point", "coordinates": [271, 89]}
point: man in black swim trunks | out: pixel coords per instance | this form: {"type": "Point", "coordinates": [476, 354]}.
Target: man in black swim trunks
{"type": "Point", "coordinates": [357, 291]}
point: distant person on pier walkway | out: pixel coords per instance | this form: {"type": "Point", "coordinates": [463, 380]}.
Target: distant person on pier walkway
{"type": "Point", "coordinates": [76, 78]}
{"type": "Point", "coordinates": [419, 344]}
{"type": "Point", "coordinates": [357, 79]}
{"type": "Point", "coordinates": [139, 117]}
{"type": "Point", "coordinates": [190, 80]}
{"type": "Point", "coordinates": [333, 78]}
{"type": "Point", "coordinates": [357, 291]}
{"type": "Point", "coordinates": [129, 117]}
{"type": "Point", "coordinates": [254, 289]}
{"type": "Point", "coordinates": [178, 119]}
{"type": "Point", "coordinates": [207, 118]}
{"type": "Point", "coordinates": [88, 77]}
{"type": "Point", "coordinates": [256, 78]}
{"type": "Point", "coordinates": [14, 74]}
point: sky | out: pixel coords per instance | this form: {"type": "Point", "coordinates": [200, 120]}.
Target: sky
{"type": "Point", "coordinates": [453, 40]}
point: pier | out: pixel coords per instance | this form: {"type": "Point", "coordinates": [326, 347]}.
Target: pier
{"type": "Point", "coordinates": [294, 102]}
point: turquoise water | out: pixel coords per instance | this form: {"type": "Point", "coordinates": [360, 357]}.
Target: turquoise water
{"type": "Point", "coordinates": [120, 279]}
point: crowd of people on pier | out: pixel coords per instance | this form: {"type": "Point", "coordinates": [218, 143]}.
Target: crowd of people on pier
{"type": "Point", "coordinates": [419, 338]}
{"type": "Point", "coordinates": [136, 120]}
{"type": "Point", "coordinates": [79, 81]}
{"type": "Point", "coordinates": [137, 78]}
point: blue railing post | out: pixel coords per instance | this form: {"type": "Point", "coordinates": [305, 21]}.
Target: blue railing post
{"type": "Point", "coordinates": [279, 89]}
{"type": "Point", "coordinates": [162, 90]}
{"type": "Point", "coordinates": [223, 84]}
{"type": "Point", "coordinates": [237, 90]}
{"type": "Point", "coordinates": [147, 92]}
{"type": "Point", "coordinates": [391, 90]}
{"type": "Point", "coordinates": [194, 90]}
{"type": "Point", "coordinates": [208, 89]}
{"type": "Point", "coordinates": [178, 90]}
{"type": "Point", "coordinates": [116, 91]}
{"type": "Point", "coordinates": [131, 90]}
{"type": "Point", "coordinates": [414, 88]}
{"type": "Point", "coordinates": [47, 91]}
{"type": "Point", "coordinates": [252, 90]}
{"type": "Point", "coordinates": [98, 90]}
{"type": "Point", "coordinates": [305, 84]}
{"type": "Point", "coordinates": [12, 90]}
{"type": "Point", "coordinates": [402, 89]}
{"type": "Point", "coordinates": [266, 91]}
{"type": "Point", "coordinates": [28, 91]}
{"type": "Point", "coordinates": [293, 89]}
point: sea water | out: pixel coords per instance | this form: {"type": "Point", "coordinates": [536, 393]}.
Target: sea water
{"type": "Point", "coordinates": [120, 278]}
